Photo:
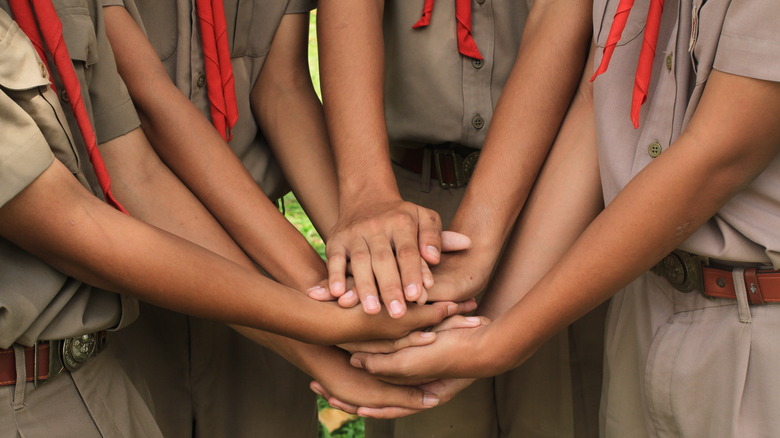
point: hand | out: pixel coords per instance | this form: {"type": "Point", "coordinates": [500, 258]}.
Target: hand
{"type": "Point", "coordinates": [450, 242]}
{"type": "Point", "coordinates": [384, 243]}
{"type": "Point", "coordinates": [454, 353]}
{"type": "Point", "coordinates": [414, 339]}
{"type": "Point", "coordinates": [463, 275]}
{"type": "Point", "coordinates": [350, 325]}
{"type": "Point", "coordinates": [350, 389]}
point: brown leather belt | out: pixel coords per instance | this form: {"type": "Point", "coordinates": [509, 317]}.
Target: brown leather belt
{"type": "Point", "coordinates": [47, 359]}
{"type": "Point", "coordinates": [685, 272]}
{"type": "Point", "coordinates": [451, 165]}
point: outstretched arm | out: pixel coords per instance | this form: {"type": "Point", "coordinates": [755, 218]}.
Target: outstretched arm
{"type": "Point", "coordinates": [662, 206]}
{"type": "Point", "coordinates": [525, 124]}
{"type": "Point", "coordinates": [196, 153]}
{"type": "Point", "coordinates": [382, 237]}
{"type": "Point", "coordinates": [290, 115]}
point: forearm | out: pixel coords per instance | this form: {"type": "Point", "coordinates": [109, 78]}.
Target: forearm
{"type": "Point", "coordinates": [663, 205]}
{"type": "Point", "coordinates": [565, 199]}
{"type": "Point", "coordinates": [352, 74]}
{"type": "Point", "coordinates": [526, 120]}
{"type": "Point", "coordinates": [190, 146]}
{"type": "Point", "coordinates": [290, 115]}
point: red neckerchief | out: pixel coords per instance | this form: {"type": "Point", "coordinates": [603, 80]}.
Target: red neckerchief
{"type": "Point", "coordinates": [219, 70]}
{"type": "Point", "coordinates": [38, 19]}
{"type": "Point", "coordinates": [646, 55]}
{"type": "Point", "coordinates": [466, 44]}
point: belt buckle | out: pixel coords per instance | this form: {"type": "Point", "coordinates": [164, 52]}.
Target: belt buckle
{"type": "Point", "coordinates": [682, 270]}
{"type": "Point", "coordinates": [462, 167]}
{"type": "Point", "coordinates": [69, 354]}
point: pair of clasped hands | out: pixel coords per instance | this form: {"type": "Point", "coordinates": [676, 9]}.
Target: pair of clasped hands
{"type": "Point", "coordinates": [390, 261]}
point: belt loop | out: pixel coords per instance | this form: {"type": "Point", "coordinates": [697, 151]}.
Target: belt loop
{"type": "Point", "coordinates": [754, 289]}
{"type": "Point", "coordinates": [425, 176]}
{"type": "Point", "coordinates": [21, 377]}
{"type": "Point", "coordinates": [738, 274]}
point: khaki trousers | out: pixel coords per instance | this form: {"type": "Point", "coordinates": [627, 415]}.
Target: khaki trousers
{"type": "Point", "coordinates": [97, 400]}
{"type": "Point", "coordinates": [684, 365]}
{"type": "Point", "coordinates": [202, 379]}
{"type": "Point", "coordinates": [554, 394]}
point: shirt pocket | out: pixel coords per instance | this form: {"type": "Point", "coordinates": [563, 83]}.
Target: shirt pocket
{"type": "Point", "coordinates": [251, 27]}
{"type": "Point", "coordinates": [78, 30]}
{"type": "Point", "coordinates": [604, 16]}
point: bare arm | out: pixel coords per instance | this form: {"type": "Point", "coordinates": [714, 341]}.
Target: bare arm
{"type": "Point", "coordinates": [87, 239]}
{"type": "Point", "coordinates": [527, 118]}
{"type": "Point", "coordinates": [290, 115]}
{"type": "Point", "coordinates": [196, 153]}
{"type": "Point", "coordinates": [645, 221]}
{"type": "Point", "coordinates": [381, 236]}
{"type": "Point", "coordinates": [148, 189]}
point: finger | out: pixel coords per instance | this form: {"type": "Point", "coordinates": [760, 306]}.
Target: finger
{"type": "Point", "coordinates": [429, 237]}
{"type": "Point", "coordinates": [423, 297]}
{"type": "Point", "coordinates": [452, 241]}
{"type": "Point", "coordinates": [407, 254]}
{"type": "Point", "coordinates": [414, 339]}
{"type": "Point", "coordinates": [385, 269]}
{"type": "Point", "coordinates": [427, 277]}
{"type": "Point", "coordinates": [363, 274]}
{"type": "Point", "coordinates": [337, 265]}
{"type": "Point", "coordinates": [458, 321]}
{"type": "Point", "coordinates": [320, 293]}
{"type": "Point", "coordinates": [464, 307]}
{"type": "Point", "coordinates": [385, 413]}
{"type": "Point", "coordinates": [340, 405]}
{"type": "Point", "coordinates": [319, 389]}
{"type": "Point", "coordinates": [349, 300]}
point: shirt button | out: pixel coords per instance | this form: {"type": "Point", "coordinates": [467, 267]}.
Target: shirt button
{"type": "Point", "coordinates": [477, 63]}
{"type": "Point", "coordinates": [44, 71]}
{"type": "Point", "coordinates": [654, 149]}
{"type": "Point", "coordinates": [478, 122]}
{"type": "Point", "coordinates": [480, 1]}
{"type": "Point", "coordinates": [669, 62]}
{"type": "Point", "coordinates": [64, 95]}
{"type": "Point", "coordinates": [201, 80]}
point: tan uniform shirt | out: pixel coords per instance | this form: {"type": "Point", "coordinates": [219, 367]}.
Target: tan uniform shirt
{"type": "Point", "coordinates": [251, 28]}
{"type": "Point", "coordinates": [737, 37]}
{"type": "Point", "coordinates": [433, 94]}
{"type": "Point", "coordinates": [37, 301]}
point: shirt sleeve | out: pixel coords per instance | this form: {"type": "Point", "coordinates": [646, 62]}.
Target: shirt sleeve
{"type": "Point", "coordinates": [749, 43]}
{"type": "Point", "coordinates": [24, 152]}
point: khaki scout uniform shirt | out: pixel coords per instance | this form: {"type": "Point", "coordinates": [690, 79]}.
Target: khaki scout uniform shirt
{"type": "Point", "coordinates": [38, 302]}
{"type": "Point", "coordinates": [737, 37]}
{"type": "Point", "coordinates": [672, 359]}
{"type": "Point", "coordinates": [435, 95]}
{"type": "Point", "coordinates": [172, 28]}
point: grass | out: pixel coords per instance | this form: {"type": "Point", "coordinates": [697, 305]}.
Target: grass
{"type": "Point", "coordinates": [337, 426]}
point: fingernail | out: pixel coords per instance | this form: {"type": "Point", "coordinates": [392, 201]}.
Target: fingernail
{"type": "Point", "coordinates": [430, 400]}
{"type": "Point", "coordinates": [451, 309]}
{"type": "Point", "coordinates": [432, 250]}
{"type": "Point", "coordinates": [396, 308]}
{"type": "Point", "coordinates": [316, 391]}
{"type": "Point", "coordinates": [411, 291]}
{"type": "Point", "coordinates": [337, 287]}
{"type": "Point", "coordinates": [316, 291]}
{"type": "Point", "coordinates": [473, 319]}
{"type": "Point", "coordinates": [355, 362]}
{"type": "Point", "coordinates": [348, 294]}
{"type": "Point", "coordinates": [427, 335]}
{"type": "Point", "coordinates": [371, 303]}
